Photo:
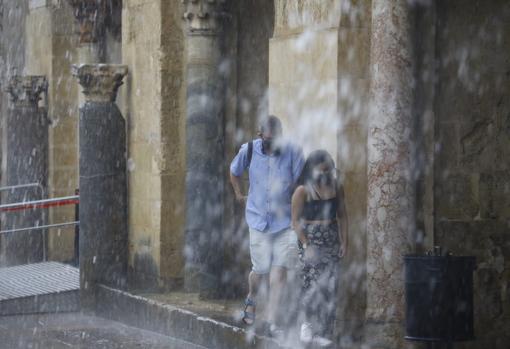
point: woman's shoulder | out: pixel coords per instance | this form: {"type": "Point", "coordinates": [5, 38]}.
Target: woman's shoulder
{"type": "Point", "coordinates": [300, 191]}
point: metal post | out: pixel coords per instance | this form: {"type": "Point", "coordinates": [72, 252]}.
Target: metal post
{"type": "Point", "coordinates": [77, 232]}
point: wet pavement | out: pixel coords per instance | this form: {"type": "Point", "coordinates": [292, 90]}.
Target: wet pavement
{"type": "Point", "coordinates": [75, 330]}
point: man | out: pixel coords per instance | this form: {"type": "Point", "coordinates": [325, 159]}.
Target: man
{"type": "Point", "coordinates": [273, 169]}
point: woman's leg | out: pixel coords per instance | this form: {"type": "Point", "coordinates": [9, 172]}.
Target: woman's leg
{"type": "Point", "coordinates": [329, 288]}
{"type": "Point", "coordinates": [312, 296]}
{"type": "Point", "coordinates": [306, 307]}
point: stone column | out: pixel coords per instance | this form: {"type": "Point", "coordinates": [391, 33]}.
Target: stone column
{"type": "Point", "coordinates": [391, 192]}
{"type": "Point", "coordinates": [103, 187]}
{"type": "Point", "coordinates": [204, 148]}
{"type": "Point", "coordinates": [26, 155]}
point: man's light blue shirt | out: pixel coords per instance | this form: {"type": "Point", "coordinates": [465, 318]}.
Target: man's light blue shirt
{"type": "Point", "coordinates": [272, 179]}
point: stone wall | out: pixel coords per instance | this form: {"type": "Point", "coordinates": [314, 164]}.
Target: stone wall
{"type": "Point", "coordinates": [303, 72]}
{"type": "Point", "coordinates": [153, 48]}
{"type": "Point", "coordinates": [472, 187]}
{"type": "Point", "coordinates": [247, 56]}
{"type": "Point", "coordinates": [52, 46]}
{"type": "Point", "coordinates": [50, 51]}
{"type": "Point", "coordinates": [424, 44]}
{"type": "Point", "coordinates": [154, 117]}
{"type": "Point", "coordinates": [173, 138]}
{"type": "Point", "coordinates": [353, 96]}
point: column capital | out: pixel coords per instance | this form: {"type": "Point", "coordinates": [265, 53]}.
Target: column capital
{"type": "Point", "coordinates": [91, 17]}
{"type": "Point", "coordinates": [100, 82]}
{"type": "Point", "coordinates": [26, 90]}
{"type": "Point", "coordinates": [202, 17]}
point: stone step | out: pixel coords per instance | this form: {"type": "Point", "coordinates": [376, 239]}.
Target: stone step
{"type": "Point", "coordinates": [47, 287]}
{"type": "Point", "coordinates": [148, 314]}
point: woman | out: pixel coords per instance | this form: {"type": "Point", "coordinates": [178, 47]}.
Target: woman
{"type": "Point", "coordinates": [320, 222]}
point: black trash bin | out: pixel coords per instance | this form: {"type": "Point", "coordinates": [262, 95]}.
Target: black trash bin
{"type": "Point", "coordinates": [439, 298]}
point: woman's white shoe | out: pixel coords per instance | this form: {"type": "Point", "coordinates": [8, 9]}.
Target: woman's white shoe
{"type": "Point", "coordinates": [306, 335]}
{"type": "Point", "coordinates": [321, 341]}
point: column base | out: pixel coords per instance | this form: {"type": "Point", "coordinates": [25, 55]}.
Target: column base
{"type": "Point", "coordinates": [386, 335]}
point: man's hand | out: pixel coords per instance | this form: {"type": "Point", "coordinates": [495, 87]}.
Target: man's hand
{"type": "Point", "coordinates": [342, 251]}
{"type": "Point", "coordinates": [236, 185]}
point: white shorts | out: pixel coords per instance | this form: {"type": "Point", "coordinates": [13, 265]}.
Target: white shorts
{"type": "Point", "coordinates": [269, 250]}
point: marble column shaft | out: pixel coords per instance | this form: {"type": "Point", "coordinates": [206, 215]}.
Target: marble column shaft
{"type": "Point", "coordinates": [103, 185]}
{"type": "Point", "coordinates": [26, 162]}
{"type": "Point", "coordinates": [391, 192]}
{"type": "Point", "coordinates": [204, 149]}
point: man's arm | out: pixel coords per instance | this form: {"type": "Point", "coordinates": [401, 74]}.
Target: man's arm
{"type": "Point", "coordinates": [236, 184]}
{"type": "Point", "coordinates": [237, 167]}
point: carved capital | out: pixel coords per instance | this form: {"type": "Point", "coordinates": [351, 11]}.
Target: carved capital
{"type": "Point", "coordinates": [26, 90]}
{"type": "Point", "coordinates": [203, 16]}
{"type": "Point", "coordinates": [100, 82]}
{"type": "Point", "coordinates": [91, 15]}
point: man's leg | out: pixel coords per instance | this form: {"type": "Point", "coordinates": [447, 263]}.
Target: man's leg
{"type": "Point", "coordinates": [277, 279]}
{"type": "Point", "coordinates": [254, 281]}
{"type": "Point", "coordinates": [260, 254]}
{"type": "Point", "coordinates": [284, 253]}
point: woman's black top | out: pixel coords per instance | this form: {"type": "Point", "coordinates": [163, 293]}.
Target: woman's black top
{"type": "Point", "coordinates": [320, 210]}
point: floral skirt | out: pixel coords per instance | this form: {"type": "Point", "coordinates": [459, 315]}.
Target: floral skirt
{"type": "Point", "coordinates": [320, 278]}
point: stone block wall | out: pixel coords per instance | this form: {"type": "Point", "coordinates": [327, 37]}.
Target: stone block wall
{"type": "Point", "coordinates": [173, 139]}
{"type": "Point", "coordinates": [52, 46]}
{"type": "Point", "coordinates": [303, 72]}
{"type": "Point", "coordinates": [472, 159]}
{"type": "Point", "coordinates": [353, 95]}
{"type": "Point", "coordinates": [50, 51]}
{"type": "Point", "coordinates": [153, 49]}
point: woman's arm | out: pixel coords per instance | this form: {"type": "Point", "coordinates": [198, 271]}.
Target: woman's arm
{"type": "Point", "coordinates": [298, 201]}
{"type": "Point", "coordinates": [343, 221]}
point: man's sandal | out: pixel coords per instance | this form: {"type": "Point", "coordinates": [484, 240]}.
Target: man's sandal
{"type": "Point", "coordinates": [275, 331]}
{"type": "Point", "coordinates": [246, 314]}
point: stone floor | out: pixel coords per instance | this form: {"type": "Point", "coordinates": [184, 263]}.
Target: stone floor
{"type": "Point", "coordinates": [229, 311]}
{"type": "Point", "coordinates": [225, 310]}
{"type": "Point", "coordinates": [75, 330]}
